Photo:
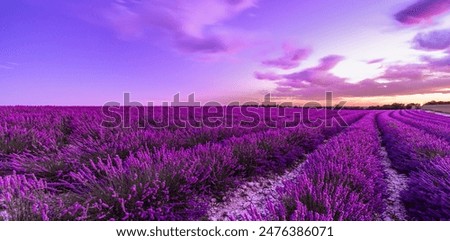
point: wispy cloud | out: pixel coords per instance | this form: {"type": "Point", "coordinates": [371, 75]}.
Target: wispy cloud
{"type": "Point", "coordinates": [196, 26]}
{"type": "Point", "coordinates": [292, 57]}
{"type": "Point", "coordinates": [422, 11]}
{"type": "Point", "coordinates": [267, 76]}
{"type": "Point", "coordinates": [375, 61]}
{"type": "Point", "coordinates": [434, 40]}
{"type": "Point", "coordinates": [432, 76]}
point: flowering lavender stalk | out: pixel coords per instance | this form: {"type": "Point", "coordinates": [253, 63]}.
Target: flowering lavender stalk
{"type": "Point", "coordinates": [25, 198]}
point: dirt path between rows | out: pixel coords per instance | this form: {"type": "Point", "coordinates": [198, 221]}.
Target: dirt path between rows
{"type": "Point", "coordinates": [256, 193]}
{"type": "Point", "coordinates": [396, 183]}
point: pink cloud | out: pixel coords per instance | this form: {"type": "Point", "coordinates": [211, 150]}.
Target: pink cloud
{"type": "Point", "coordinates": [329, 62]}
{"type": "Point", "coordinates": [267, 76]}
{"type": "Point", "coordinates": [443, 62]}
{"type": "Point", "coordinates": [434, 40]}
{"type": "Point", "coordinates": [312, 83]}
{"type": "Point", "coordinates": [318, 75]}
{"type": "Point", "coordinates": [374, 61]}
{"type": "Point", "coordinates": [368, 88]}
{"type": "Point", "coordinates": [209, 44]}
{"type": "Point", "coordinates": [195, 26]}
{"type": "Point", "coordinates": [291, 58]}
{"type": "Point", "coordinates": [322, 78]}
{"type": "Point", "coordinates": [403, 72]}
{"type": "Point", "coordinates": [422, 11]}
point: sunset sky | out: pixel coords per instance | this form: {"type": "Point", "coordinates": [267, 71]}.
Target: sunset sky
{"type": "Point", "coordinates": [85, 52]}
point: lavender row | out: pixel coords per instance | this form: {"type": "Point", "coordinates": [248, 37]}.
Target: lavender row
{"type": "Point", "coordinates": [438, 130]}
{"type": "Point", "coordinates": [166, 185]}
{"type": "Point", "coordinates": [436, 118]}
{"type": "Point", "coordinates": [74, 135]}
{"type": "Point", "coordinates": [426, 160]}
{"type": "Point", "coordinates": [409, 147]}
{"type": "Point", "coordinates": [78, 130]}
{"type": "Point", "coordinates": [428, 197]}
{"type": "Point", "coordinates": [125, 143]}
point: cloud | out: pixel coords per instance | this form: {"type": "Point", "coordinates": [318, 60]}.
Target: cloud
{"type": "Point", "coordinates": [438, 62]}
{"type": "Point", "coordinates": [432, 76]}
{"type": "Point", "coordinates": [422, 11]}
{"type": "Point", "coordinates": [207, 44]}
{"type": "Point", "coordinates": [196, 26]}
{"type": "Point", "coordinates": [434, 40]}
{"type": "Point", "coordinates": [369, 88]}
{"type": "Point", "coordinates": [375, 61]}
{"type": "Point", "coordinates": [267, 76]}
{"type": "Point", "coordinates": [402, 72]}
{"type": "Point", "coordinates": [291, 58]}
{"type": "Point", "coordinates": [318, 75]}
{"type": "Point", "coordinates": [329, 62]}
{"type": "Point", "coordinates": [441, 62]}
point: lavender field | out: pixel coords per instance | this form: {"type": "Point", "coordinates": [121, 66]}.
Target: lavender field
{"type": "Point", "coordinates": [63, 163]}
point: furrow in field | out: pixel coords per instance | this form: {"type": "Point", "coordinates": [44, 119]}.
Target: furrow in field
{"type": "Point", "coordinates": [396, 183]}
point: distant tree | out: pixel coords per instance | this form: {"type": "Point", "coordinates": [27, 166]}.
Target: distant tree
{"type": "Point", "coordinates": [349, 107]}
{"type": "Point", "coordinates": [394, 106]}
{"type": "Point", "coordinates": [433, 102]}
{"type": "Point", "coordinates": [412, 106]}
{"type": "Point", "coordinates": [398, 106]}
{"type": "Point", "coordinates": [374, 107]}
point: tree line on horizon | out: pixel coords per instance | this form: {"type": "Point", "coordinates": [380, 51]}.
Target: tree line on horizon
{"type": "Point", "coordinates": [393, 106]}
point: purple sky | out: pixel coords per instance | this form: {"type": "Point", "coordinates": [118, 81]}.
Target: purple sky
{"type": "Point", "coordinates": [85, 52]}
